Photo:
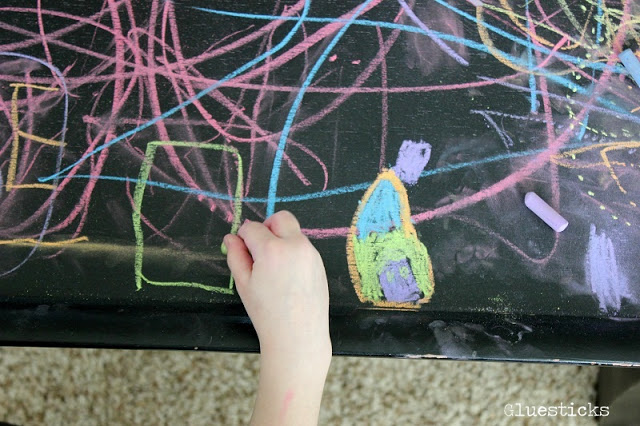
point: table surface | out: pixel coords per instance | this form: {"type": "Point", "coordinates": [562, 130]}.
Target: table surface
{"type": "Point", "coordinates": [404, 136]}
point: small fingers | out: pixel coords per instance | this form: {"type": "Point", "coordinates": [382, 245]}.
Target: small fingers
{"type": "Point", "coordinates": [255, 236]}
{"type": "Point", "coordinates": [238, 258]}
{"type": "Point", "coordinates": [283, 224]}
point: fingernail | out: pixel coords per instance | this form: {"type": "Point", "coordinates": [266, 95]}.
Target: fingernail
{"type": "Point", "coordinates": [246, 221]}
{"type": "Point", "coordinates": [225, 240]}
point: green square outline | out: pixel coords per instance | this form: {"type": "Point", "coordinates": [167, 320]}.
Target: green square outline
{"type": "Point", "coordinates": [138, 195]}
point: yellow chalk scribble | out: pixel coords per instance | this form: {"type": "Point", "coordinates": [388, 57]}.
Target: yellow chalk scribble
{"type": "Point", "coordinates": [515, 18]}
{"type": "Point", "coordinates": [17, 133]}
{"type": "Point", "coordinates": [604, 150]}
{"type": "Point", "coordinates": [33, 242]}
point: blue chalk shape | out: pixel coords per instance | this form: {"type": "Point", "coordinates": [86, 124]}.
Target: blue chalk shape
{"type": "Point", "coordinates": [382, 211]}
{"type": "Point", "coordinates": [631, 63]}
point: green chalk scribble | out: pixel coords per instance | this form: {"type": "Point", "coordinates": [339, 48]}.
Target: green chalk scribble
{"type": "Point", "coordinates": [376, 251]}
{"type": "Point", "coordinates": [139, 194]}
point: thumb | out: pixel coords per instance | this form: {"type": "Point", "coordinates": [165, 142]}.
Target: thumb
{"type": "Point", "coordinates": [238, 258]}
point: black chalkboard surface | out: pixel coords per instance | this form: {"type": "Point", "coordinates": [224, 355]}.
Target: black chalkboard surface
{"type": "Point", "coordinates": [403, 135]}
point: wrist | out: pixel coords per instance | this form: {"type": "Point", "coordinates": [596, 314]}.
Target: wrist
{"type": "Point", "coordinates": [290, 387]}
{"type": "Point", "coordinates": [314, 353]}
{"type": "Point", "coordinates": [306, 363]}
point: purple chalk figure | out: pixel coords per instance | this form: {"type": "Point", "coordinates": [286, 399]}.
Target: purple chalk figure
{"type": "Point", "coordinates": [412, 158]}
{"type": "Point", "coordinates": [398, 283]}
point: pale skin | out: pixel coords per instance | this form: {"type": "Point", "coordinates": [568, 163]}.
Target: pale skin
{"type": "Point", "coordinates": [281, 280]}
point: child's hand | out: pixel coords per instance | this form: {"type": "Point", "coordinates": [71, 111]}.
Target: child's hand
{"type": "Point", "coordinates": [282, 282]}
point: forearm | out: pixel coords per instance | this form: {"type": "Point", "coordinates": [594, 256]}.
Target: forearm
{"type": "Point", "coordinates": [290, 389]}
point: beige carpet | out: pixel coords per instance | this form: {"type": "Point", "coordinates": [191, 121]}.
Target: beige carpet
{"type": "Point", "coordinates": [112, 387]}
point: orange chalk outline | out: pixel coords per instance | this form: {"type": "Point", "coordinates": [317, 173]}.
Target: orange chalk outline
{"type": "Point", "coordinates": [409, 232]}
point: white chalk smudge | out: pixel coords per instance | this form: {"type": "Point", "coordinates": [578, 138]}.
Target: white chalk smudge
{"type": "Point", "coordinates": [607, 283]}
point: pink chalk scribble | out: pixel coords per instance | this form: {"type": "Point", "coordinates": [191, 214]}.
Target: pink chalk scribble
{"type": "Point", "coordinates": [129, 66]}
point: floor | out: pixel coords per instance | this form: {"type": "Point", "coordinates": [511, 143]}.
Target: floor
{"type": "Point", "coordinates": [100, 387]}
